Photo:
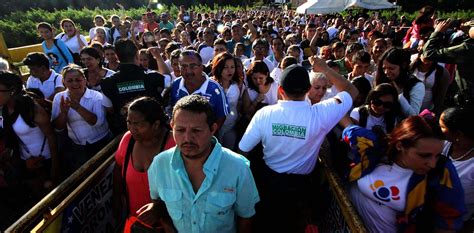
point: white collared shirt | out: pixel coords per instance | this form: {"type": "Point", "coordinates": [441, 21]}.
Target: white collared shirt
{"type": "Point", "coordinates": [292, 132]}
{"type": "Point", "coordinates": [78, 129]}
{"type": "Point", "coordinates": [47, 87]}
{"type": "Point", "coordinates": [269, 64]}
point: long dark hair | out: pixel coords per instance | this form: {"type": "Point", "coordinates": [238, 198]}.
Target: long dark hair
{"type": "Point", "coordinates": [258, 66]}
{"type": "Point", "coordinates": [24, 104]}
{"type": "Point", "coordinates": [417, 63]}
{"type": "Point", "coordinates": [150, 108]}
{"type": "Point", "coordinates": [397, 57]}
{"type": "Point", "coordinates": [218, 64]}
{"type": "Point", "coordinates": [379, 91]}
{"type": "Point", "coordinates": [424, 15]}
{"type": "Point", "coordinates": [459, 119]}
{"type": "Point", "coordinates": [93, 53]}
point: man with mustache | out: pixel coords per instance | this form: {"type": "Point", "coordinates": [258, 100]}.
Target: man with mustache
{"type": "Point", "coordinates": [199, 186]}
{"type": "Point", "coordinates": [194, 81]}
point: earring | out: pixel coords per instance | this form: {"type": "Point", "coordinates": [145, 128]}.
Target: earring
{"type": "Point", "coordinates": [456, 140]}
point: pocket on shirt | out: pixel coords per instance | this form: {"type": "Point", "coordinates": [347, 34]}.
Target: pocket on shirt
{"type": "Point", "coordinates": [219, 204]}
{"type": "Point", "coordinates": [173, 199]}
{"type": "Point", "coordinates": [219, 216]}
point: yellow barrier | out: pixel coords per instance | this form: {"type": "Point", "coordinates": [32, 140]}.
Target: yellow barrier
{"type": "Point", "coordinates": [14, 55]}
{"type": "Point", "coordinates": [17, 54]}
{"type": "Point", "coordinates": [3, 48]}
{"type": "Point", "coordinates": [43, 211]}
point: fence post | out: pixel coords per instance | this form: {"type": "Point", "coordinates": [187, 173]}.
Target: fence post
{"type": "Point", "coordinates": [3, 48]}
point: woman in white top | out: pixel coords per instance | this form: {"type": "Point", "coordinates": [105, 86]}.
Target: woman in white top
{"type": "Point", "coordinates": [81, 110]}
{"type": "Point", "coordinates": [224, 72]}
{"type": "Point", "coordinates": [99, 22]}
{"type": "Point", "coordinates": [381, 109]}
{"type": "Point", "coordinates": [393, 68]}
{"type": "Point", "coordinates": [29, 123]}
{"type": "Point", "coordinates": [458, 127]}
{"type": "Point", "coordinates": [100, 36]}
{"type": "Point", "coordinates": [436, 80]}
{"type": "Point", "coordinates": [94, 71]}
{"type": "Point", "coordinates": [262, 89]}
{"type": "Point", "coordinates": [403, 184]}
{"type": "Point", "coordinates": [71, 36]}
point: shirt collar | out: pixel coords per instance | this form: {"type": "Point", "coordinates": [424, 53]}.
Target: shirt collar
{"type": "Point", "coordinates": [211, 166]}
{"type": "Point", "coordinates": [51, 76]}
{"type": "Point", "coordinates": [201, 89]}
{"type": "Point", "coordinates": [87, 93]}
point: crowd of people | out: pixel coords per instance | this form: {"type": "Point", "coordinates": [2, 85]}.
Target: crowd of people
{"type": "Point", "coordinates": [200, 95]}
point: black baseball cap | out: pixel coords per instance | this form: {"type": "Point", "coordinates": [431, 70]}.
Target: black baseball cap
{"type": "Point", "coordinates": [295, 79]}
{"type": "Point", "coordinates": [36, 59]}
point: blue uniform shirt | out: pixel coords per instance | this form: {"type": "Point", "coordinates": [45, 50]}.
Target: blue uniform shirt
{"type": "Point", "coordinates": [228, 190]}
{"type": "Point", "coordinates": [210, 89]}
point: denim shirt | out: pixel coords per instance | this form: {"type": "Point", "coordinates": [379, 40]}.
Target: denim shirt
{"type": "Point", "coordinates": [227, 190]}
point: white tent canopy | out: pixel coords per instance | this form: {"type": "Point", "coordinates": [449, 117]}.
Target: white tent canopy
{"type": "Point", "coordinates": [321, 7]}
{"type": "Point", "coordinates": [370, 4]}
{"type": "Point", "coordinates": [334, 6]}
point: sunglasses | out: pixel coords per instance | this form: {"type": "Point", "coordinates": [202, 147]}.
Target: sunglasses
{"type": "Point", "coordinates": [378, 103]}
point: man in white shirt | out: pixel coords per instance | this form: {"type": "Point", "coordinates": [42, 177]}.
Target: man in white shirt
{"type": "Point", "coordinates": [292, 132]}
{"type": "Point", "coordinates": [206, 49]}
{"type": "Point", "coordinates": [41, 76]}
{"type": "Point", "coordinates": [334, 30]}
{"type": "Point", "coordinates": [260, 50]}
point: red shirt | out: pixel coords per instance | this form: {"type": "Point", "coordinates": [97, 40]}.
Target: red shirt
{"type": "Point", "coordinates": [136, 180]}
{"type": "Point", "coordinates": [150, 27]}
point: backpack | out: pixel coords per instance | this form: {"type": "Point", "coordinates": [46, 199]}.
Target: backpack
{"type": "Point", "coordinates": [111, 38]}
{"type": "Point", "coordinates": [76, 58]}
{"type": "Point", "coordinates": [412, 81]}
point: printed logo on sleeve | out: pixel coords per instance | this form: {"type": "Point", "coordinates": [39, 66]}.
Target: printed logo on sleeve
{"type": "Point", "coordinates": [292, 131]}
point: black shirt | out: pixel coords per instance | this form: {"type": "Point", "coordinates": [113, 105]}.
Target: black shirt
{"type": "Point", "coordinates": [129, 83]}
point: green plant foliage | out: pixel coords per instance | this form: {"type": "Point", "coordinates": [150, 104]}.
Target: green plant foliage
{"type": "Point", "coordinates": [19, 27]}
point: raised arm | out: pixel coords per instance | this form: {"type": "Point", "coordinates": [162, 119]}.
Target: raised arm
{"type": "Point", "coordinates": [162, 67]}
{"type": "Point", "coordinates": [434, 49]}
{"type": "Point", "coordinates": [312, 45]}
{"type": "Point", "coordinates": [337, 80]}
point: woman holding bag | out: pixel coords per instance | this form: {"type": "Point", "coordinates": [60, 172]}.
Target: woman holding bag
{"type": "Point", "coordinates": [28, 129]}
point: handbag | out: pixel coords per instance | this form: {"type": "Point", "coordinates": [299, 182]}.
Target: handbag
{"type": "Point", "coordinates": [135, 225]}
{"type": "Point", "coordinates": [35, 162]}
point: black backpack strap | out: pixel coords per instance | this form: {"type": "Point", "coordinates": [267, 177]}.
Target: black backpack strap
{"type": "Point", "coordinates": [128, 155]}
{"type": "Point", "coordinates": [60, 50]}
{"type": "Point", "coordinates": [111, 38]}
{"type": "Point", "coordinates": [412, 81]}
{"type": "Point", "coordinates": [363, 115]}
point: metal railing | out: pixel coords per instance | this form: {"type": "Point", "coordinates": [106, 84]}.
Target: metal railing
{"type": "Point", "coordinates": [46, 210]}
{"type": "Point", "coordinates": [342, 214]}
